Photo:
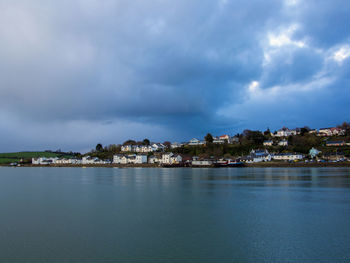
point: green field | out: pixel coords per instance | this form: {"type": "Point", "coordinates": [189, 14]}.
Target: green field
{"type": "Point", "coordinates": [6, 158]}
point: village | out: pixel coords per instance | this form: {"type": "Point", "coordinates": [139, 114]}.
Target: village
{"type": "Point", "coordinates": [274, 148]}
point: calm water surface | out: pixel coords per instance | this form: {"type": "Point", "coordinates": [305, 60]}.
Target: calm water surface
{"type": "Point", "coordinates": [175, 215]}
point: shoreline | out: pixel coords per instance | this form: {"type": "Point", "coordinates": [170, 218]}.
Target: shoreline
{"type": "Point", "coordinates": [248, 165]}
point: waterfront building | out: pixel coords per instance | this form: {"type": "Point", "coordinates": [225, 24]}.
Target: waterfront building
{"type": "Point", "coordinates": [256, 156]}
{"type": "Point", "coordinates": [43, 160]}
{"type": "Point", "coordinates": [140, 159]}
{"type": "Point", "coordinates": [202, 162]}
{"type": "Point", "coordinates": [154, 159]}
{"type": "Point", "coordinates": [288, 156]}
{"type": "Point", "coordinates": [313, 152]}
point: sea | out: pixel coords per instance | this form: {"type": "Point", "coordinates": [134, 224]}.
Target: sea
{"type": "Point", "coordinates": [174, 215]}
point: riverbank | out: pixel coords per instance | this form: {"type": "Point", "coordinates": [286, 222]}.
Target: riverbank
{"type": "Point", "coordinates": [261, 164]}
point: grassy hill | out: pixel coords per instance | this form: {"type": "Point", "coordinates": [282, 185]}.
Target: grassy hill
{"type": "Point", "coordinates": [6, 158]}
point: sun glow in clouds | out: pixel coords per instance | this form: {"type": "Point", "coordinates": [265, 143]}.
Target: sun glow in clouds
{"type": "Point", "coordinates": [253, 87]}
{"type": "Point", "coordinates": [342, 54]}
{"type": "Point", "coordinates": [284, 38]}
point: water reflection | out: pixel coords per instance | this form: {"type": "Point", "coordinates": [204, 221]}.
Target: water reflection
{"type": "Point", "coordinates": [175, 215]}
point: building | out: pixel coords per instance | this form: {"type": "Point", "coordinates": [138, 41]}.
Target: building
{"type": "Point", "coordinates": [130, 159]}
{"type": "Point", "coordinates": [176, 159]}
{"type": "Point", "coordinates": [170, 158]}
{"type": "Point", "coordinates": [313, 131]}
{"type": "Point", "coordinates": [288, 156]}
{"type": "Point", "coordinates": [166, 158]}
{"type": "Point", "coordinates": [155, 147]}
{"type": "Point", "coordinates": [128, 148]}
{"type": "Point", "coordinates": [154, 159]}
{"type": "Point", "coordinates": [175, 145]}
{"type": "Point", "coordinates": [87, 160]}
{"type": "Point", "coordinates": [67, 161]}
{"type": "Point", "coordinates": [201, 162]}
{"type": "Point", "coordinates": [283, 143]}
{"type": "Point", "coordinates": [93, 160]}
{"type": "Point", "coordinates": [140, 159]}
{"type": "Point", "coordinates": [256, 156]}
{"type": "Point", "coordinates": [217, 140]}
{"type": "Point", "coordinates": [195, 142]}
{"type": "Point", "coordinates": [158, 147]}
{"type": "Point", "coordinates": [335, 143]}
{"type": "Point", "coordinates": [234, 139]}
{"type": "Point", "coordinates": [334, 157]}
{"type": "Point", "coordinates": [268, 143]}
{"type": "Point", "coordinates": [225, 138]}
{"type": "Point", "coordinates": [314, 152]}
{"type": "Point", "coordinates": [285, 132]}
{"type": "Point", "coordinates": [44, 160]}
{"type": "Point", "coordinates": [332, 131]}
{"type": "Point", "coordinates": [117, 159]}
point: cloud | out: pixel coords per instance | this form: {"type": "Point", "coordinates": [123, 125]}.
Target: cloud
{"type": "Point", "coordinates": [165, 69]}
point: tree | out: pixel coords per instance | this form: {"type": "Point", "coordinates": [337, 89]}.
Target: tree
{"type": "Point", "coordinates": [255, 137]}
{"type": "Point", "coordinates": [99, 147]}
{"type": "Point", "coordinates": [267, 132]}
{"type": "Point", "coordinates": [304, 130]}
{"type": "Point", "coordinates": [208, 138]}
{"type": "Point", "coordinates": [346, 127]}
{"type": "Point", "coordinates": [167, 144]}
{"type": "Point", "coordinates": [146, 142]}
{"type": "Point", "coordinates": [129, 142]}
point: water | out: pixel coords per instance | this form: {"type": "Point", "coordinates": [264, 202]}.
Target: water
{"type": "Point", "coordinates": [175, 215]}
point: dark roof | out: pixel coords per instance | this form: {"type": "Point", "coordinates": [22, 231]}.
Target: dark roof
{"type": "Point", "coordinates": [335, 142]}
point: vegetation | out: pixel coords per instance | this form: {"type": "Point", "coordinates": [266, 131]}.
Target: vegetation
{"type": "Point", "coordinates": [209, 138]}
{"type": "Point", "coordinates": [26, 156]}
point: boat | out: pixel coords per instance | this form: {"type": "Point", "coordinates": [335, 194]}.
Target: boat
{"type": "Point", "coordinates": [228, 163]}
{"type": "Point", "coordinates": [221, 163]}
{"type": "Point", "coordinates": [235, 164]}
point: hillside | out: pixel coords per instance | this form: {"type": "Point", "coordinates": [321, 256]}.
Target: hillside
{"type": "Point", "coordinates": [6, 158]}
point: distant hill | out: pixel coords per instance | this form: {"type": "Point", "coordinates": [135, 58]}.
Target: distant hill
{"type": "Point", "coordinates": [6, 158]}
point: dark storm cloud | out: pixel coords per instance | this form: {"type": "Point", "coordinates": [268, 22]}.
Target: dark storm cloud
{"type": "Point", "coordinates": [166, 69]}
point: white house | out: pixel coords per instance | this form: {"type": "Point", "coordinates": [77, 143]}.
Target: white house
{"type": "Point", "coordinates": [170, 158]}
{"type": "Point", "coordinates": [166, 158]}
{"type": "Point", "coordinates": [117, 158]}
{"type": "Point", "coordinates": [268, 143]}
{"type": "Point", "coordinates": [44, 160]}
{"type": "Point", "coordinates": [259, 156]}
{"type": "Point", "coordinates": [314, 152]}
{"type": "Point", "coordinates": [154, 159]}
{"type": "Point", "coordinates": [93, 160]}
{"type": "Point", "coordinates": [288, 156]}
{"type": "Point", "coordinates": [225, 138]}
{"type": "Point", "coordinates": [175, 159]}
{"type": "Point", "coordinates": [175, 145]}
{"type": "Point", "coordinates": [313, 131]}
{"type": "Point", "coordinates": [195, 141]}
{"type": "Point", "coordinates": [141, 159]}
{"type": "Point", "coordinates": [332, 131]}
{"type": "Point", "coordinates": [202, 162]}
{"type": "Point", "coordinates": [283, 143]}
{"type": "Point", "coordinates": [87, 160]}
{"type": "Point", "coordinates": [234, 139]}
{"type": "Point", "coordinates": [217, 140]}
{"type": "Point", "coordinates": [158, 147]}
{"type": "Point", "coordinates": [128, 148]}
{"type": "Point", "coordinates": [285, 132]}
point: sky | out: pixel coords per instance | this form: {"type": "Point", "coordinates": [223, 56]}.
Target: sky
{"type": "Point", "coordinates": [74, 73]}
